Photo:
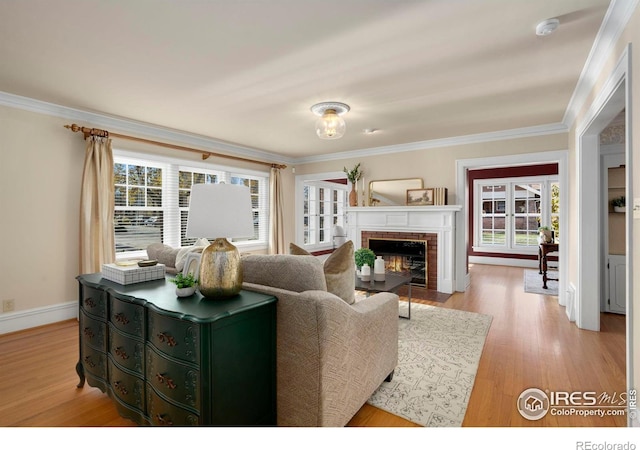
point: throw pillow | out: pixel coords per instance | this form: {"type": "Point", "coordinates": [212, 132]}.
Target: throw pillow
{"type": "Point", "coordinates": [295, 250]}
{"type": "Point", "coordinates": [340, 273]}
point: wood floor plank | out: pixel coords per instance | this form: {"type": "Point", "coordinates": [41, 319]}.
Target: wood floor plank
{"type": "Point", "coordinates": [530, 344]}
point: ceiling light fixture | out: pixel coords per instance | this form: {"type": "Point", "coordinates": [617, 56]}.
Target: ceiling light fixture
{"type": "Point", "coordinates": [330, 125]}
{"type": "Point", "coordinates": [546, 27]}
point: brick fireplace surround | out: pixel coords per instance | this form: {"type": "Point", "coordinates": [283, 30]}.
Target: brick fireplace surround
{"type": "Point", "coordinates": [431, 240]}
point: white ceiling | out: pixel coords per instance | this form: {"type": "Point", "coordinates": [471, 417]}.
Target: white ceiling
{"type": "Point", "coordinates": [247, 72]}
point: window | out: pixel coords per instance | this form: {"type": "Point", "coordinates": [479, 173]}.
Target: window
{"type": "Point", "coordinates": [508, 213]}
{"type": "Point", "coordinates": [324, 207]}
{"type": "Point", "coordinates": [152, 201]}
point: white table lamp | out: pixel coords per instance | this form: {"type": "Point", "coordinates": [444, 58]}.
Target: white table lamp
{"type": "Point", "coordinates": [220, 211]}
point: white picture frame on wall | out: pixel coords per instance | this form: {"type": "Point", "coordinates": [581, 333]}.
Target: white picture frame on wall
{"type": "Point", "coordinates": [192, 264]}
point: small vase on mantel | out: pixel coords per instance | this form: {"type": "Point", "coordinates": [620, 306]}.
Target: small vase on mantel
{"type": "Point", "coordinates": [353, 195]}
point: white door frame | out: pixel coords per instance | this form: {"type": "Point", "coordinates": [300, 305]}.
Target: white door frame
{"type": "Point", "coordinates": [612, 99]}
{"type": "Point", "coordinates": [614, 96]}
{"type": "Point", "coordinates": [462, 219]}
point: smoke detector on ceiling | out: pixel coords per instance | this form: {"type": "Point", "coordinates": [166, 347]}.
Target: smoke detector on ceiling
{"type": "Point", "coordinates": [546, 27]}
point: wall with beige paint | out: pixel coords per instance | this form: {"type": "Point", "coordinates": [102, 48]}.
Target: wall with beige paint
{"type": "Point", "coordinates": [40, 176]}
{"type": "Point", "coordinates": [437, 166]}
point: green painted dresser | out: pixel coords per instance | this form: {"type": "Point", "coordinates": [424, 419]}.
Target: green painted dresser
{"type": "Point", "coordinates": [165, 360]}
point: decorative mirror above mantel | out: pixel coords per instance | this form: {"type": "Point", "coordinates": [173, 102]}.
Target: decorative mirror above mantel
{"type": "Point", "coordinates": [392, 192]}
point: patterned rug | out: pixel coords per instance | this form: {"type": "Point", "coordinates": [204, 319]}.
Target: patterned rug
{"type": "Point", "coordinates": [533, 282]}
{"type": "Point", "coordinates": [438, 355]}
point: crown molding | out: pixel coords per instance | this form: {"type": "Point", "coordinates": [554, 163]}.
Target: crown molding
{"type": "Point", "coordinates": [516, 133]}
{"type": "Point", "coordinates": [613, 24]}
{"type": "Point", "coordinates": [138, 129]}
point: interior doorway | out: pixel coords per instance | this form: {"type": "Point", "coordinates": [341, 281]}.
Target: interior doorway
{"type": "Point", "coordinates": [614, 97]}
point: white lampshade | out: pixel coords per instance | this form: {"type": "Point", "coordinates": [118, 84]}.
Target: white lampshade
{"type": "Point", "coordinates": [220, 210]}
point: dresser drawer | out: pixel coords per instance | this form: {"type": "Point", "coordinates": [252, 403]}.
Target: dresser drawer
{"type": "Point", "coordinates": [127, 316]}
{"type": "Point", "coordinates": [164, 413]}
{"type": "Point", "coordinates": [94, 332]}
{"type": "Point", "coordinates": [94, 301]}
{"type": "Point", "coordinates": [127, 387]}
{"type": "Point", "coordinates": [94, 361]}
{"type": "Point", "coordinates": [177, 381]}
{"type": "Point", "coordinates": [126, 351]}
{"type": "Point", "coordinates": [174, 337]}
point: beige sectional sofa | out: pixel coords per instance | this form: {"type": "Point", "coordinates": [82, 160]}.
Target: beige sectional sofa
{"type": "Point", "coordinates": [332, 352]}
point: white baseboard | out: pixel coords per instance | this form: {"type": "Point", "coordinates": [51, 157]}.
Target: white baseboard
{"type": "Point", "coordinates": [21, 320]}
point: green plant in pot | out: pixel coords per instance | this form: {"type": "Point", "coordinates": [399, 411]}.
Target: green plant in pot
{"type": "Point", "coordinates": [619, 203]}
{"type": "Point", "coordinates": [185, 284]}
{"type": "Point", "coordinates": [364, 256]}
{"type": "Point", "coordinates": [546, 235]}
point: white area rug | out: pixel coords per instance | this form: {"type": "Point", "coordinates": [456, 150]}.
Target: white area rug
{"type": "Point", "coordinates": [533, 282]}
{"type": "Point", "coordinates": [438, 355]}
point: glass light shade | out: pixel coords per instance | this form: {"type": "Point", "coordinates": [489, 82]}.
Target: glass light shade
{"type": "Point", "coordinates": [330, 125]}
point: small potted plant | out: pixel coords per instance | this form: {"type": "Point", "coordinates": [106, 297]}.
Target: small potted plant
{"type": "Point", "coordinates": [546, 235]}
{"type": "Point", "coordinates": [364, 256]}
{"type": "Point", "coordinates": [185, 284]}
{"type": "Point", "coordinates": [619, 204]}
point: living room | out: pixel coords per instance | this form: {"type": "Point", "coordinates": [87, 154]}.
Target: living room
{"type": "Point", "coordinates": [42, 165]}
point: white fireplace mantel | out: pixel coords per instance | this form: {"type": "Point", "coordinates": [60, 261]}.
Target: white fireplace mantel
{"type": "Point", "coordinates": [440, 220]}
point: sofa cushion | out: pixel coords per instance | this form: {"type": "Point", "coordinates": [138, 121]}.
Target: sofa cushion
{"type": "Point", "coordinates": [339, 270]}
{"type": "Point", "coordinates": [293, 273]}
{"type": "Point", "coordinates": [340, 273]}
{"type": "Point", "coordinates": [163, 253]}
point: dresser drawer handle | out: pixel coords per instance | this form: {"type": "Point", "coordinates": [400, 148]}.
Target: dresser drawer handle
{"type": "Point", "coordinates": [167, 338]}
{"type": "Point", "coordinates": [88, 332]}
{"type": "Point", "coordinates": [166, 380]}
{"type": "Point", "coordinates": [121, 353]}
{"type": "Point", "coordinates": [120, 388]}
{"type": "Point", "coordinates": [120, 317]}
{"type": "Point", "coordinates": [89, 302]}
{"type": "Point", "coordinates": [162, 421]}
{"type": "Point", "coordinates": [89, 362]}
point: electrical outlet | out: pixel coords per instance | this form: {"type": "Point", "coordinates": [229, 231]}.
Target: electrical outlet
{"type": "Point", "coordinates": [8, 305]}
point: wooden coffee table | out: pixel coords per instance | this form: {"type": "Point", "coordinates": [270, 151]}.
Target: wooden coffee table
{"type": "Point", "coordinates": [392, 282]}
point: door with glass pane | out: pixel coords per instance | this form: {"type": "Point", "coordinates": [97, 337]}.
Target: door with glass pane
{"type": "Point", "coordinates": [509, 212]}
{"type": "Point", "coordinates": [526, 198]}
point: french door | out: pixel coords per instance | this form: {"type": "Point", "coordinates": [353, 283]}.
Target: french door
{"type": "Point", "coordinates": [508, 213]}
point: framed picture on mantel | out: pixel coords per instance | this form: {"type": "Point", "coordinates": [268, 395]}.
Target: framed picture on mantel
{"type": "Point", "coordinates": [419, 197]}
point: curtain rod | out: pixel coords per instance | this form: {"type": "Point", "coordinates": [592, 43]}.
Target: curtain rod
{"type": "Point", "coordinates": [205, 154]}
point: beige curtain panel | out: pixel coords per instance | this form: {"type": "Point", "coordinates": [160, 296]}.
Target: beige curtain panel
{"type": "Point", "coordinates": [276, 221]}
{"type": "Point", "coordinates": [97, 242]}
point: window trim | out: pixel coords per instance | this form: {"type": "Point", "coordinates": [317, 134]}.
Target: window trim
{"type": "Point", "coordinates": [178, 164]}
{"type": "Point", "coordinates": [545, 211]}
{"type": "Point", "coordinates": [316, 179]}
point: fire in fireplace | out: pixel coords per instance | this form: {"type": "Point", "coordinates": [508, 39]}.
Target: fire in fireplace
{"type": "Point", "coordinates": [404, 256]}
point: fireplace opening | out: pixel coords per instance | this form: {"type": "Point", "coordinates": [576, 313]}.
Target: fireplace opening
{"type": "Point", "coordinates": [403, 256]}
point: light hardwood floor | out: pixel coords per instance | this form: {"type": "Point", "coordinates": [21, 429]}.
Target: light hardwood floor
{"type": "Point", "coordinates": [530, 344]}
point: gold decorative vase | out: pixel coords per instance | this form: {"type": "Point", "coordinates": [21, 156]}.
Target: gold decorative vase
{"type": "Point", "coordinates": [220, 270]}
